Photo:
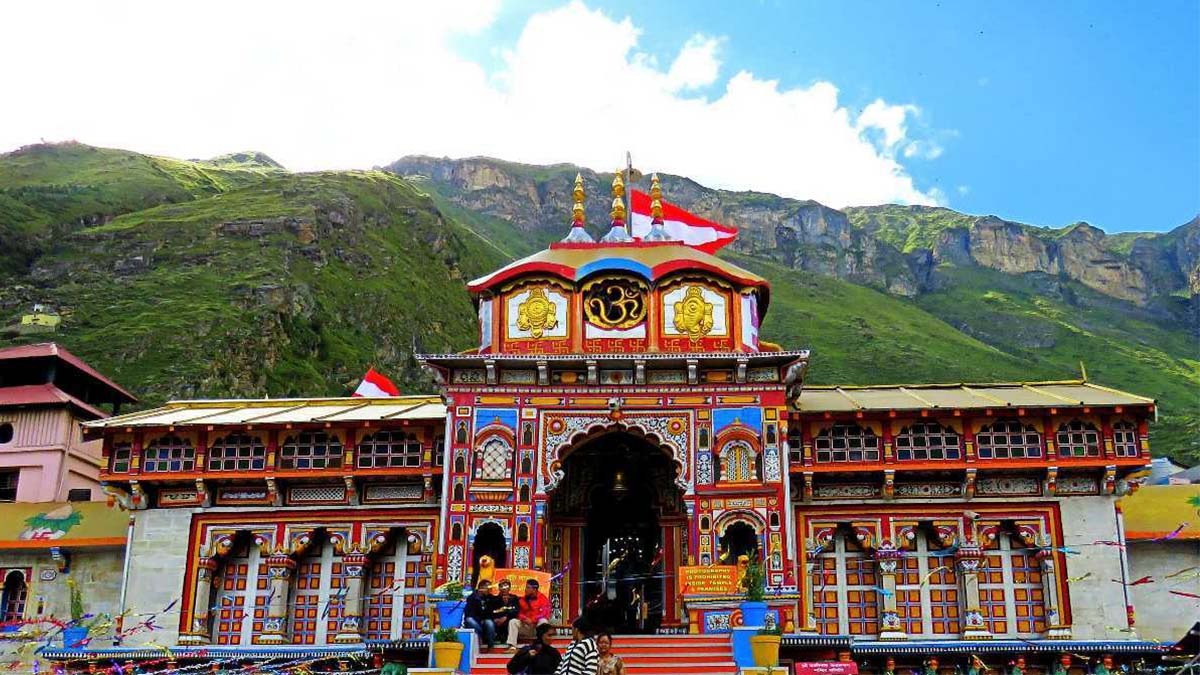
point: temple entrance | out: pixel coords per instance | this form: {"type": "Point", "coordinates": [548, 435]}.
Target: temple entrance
{"type": "Point", "coordinates": [618, 493]}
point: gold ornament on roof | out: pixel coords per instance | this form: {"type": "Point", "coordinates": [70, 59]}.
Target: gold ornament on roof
{"type": "Point", "coordinates": [577, 194]}
{"type": "Point", "coordinates": [618, 209]}
{"type": "Point", "coordinates": [537, 314]}
{"type": "Point", "coordinates": [693, 314]}
{"type": "Point", "coordinates": [614, 303]}
{"type": "Point", "coordinates": [618, 185]}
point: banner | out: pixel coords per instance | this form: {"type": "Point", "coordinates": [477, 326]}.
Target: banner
{"type": "Point", "coordinates": [826, 668]}
{"type": "Point", "coordinates": [518, 577]}
{"type": "Point", "coordinates": [708, 579]}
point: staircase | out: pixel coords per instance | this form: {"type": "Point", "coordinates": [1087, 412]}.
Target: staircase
{"type": "Point", "coordinates": [647, 655]}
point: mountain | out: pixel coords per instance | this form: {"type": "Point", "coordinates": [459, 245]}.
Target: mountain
{"type": "Point", "coordinates": [235, 277]}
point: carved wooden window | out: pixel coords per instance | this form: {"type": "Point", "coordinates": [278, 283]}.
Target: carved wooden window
{"type": "Point", "coordinates": [1125, 439]}
{"type": "Point", "coordinates": [237, 452]}
{"type": "Point", "coordinates": [317, 597]}
{"type": "Point", "coordinates": [1078, 439]}
{"type": "Point", "coordinates": [739, 462]}
{"type": "Point", "coordinates": [927, 591]}
{"type": "Point", "coordinates": [15, 597]}
{"type": "Point", "coordinates": [311, 450]}
{"type": "Point", "coordinates": [847, 443]}
{"type": "Point", "coordinates": [242, 592]}
{"type": "Point", "coordinates": [1010, 589]}
{"type": "Point", "coordinates": [122, 456]}
{"type": "Point", "coordinates": [439, 450]}
{"type": "Point", "coordinates": [169, 453]}
{"type": "Point", "coordinates": [923, 441]}
{"type": "Point", "coordinates": [494, 460]}
{"type": "Point", "coordinates": [1008, 439]}
{"type": "Point", "coordinates": [389, 449]}
{"type": "Point", "coordinates": [844, 582]}
{"type": "Point", "coordinates": [795, 444]}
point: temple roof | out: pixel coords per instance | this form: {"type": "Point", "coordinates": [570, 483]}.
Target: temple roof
{"type": "Point", "coordinates": [279, 411]}
{"type": "Point", "coordinates": [1157, 511]}
{"type": "Point", "coordinates": [103, 388]}
{"type": "Point", "coordinates": [882, 398]}
{"type": "Point", "coordinates": [42, 395]}
{"type": "Point", "coordinates": [649, 260]}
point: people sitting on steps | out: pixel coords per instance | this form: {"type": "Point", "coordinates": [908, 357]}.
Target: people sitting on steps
{"type": "Point", "coordinates": [533, 612]}
{"type": "Point", "coordinates": [538, 657]}
{"type": "Point", "coordinates": [504, 609]}
{"type": "Point", "coordinates": [478, 616]}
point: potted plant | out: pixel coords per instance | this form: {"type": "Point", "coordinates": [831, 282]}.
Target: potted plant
{"type": "Point", "coordinates": [754, 607]}
{"type": "Point", "coordinates": [447, 649]}
{"type": "Point", "coordinates": [765, 647]}
{"type": "Point", "coordinates": [451, 607]}
{"type": "Point", "coordinates": [76, 633]}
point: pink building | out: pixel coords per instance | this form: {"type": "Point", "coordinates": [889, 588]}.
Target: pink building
{"type": "Point", "coordinates": [45, 392]}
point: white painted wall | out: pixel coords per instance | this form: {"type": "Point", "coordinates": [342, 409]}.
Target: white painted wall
{"type": "Point", "coordinates": [1160, 614]}
{"type": "Point", "coordinates": [1097, 602]}
{"type": "Point", "coordinates": [156, 569]}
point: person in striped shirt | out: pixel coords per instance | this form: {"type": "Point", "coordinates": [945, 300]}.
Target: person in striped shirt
{"type": "Point", "coordinates": [582, 656]}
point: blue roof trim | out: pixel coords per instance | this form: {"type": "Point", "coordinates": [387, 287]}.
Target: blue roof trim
{"type": "Point", "coordinates": [609, 264]}
{"type": "Point", "coordinates": [995, 646]}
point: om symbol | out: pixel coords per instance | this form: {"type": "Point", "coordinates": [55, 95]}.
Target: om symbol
{"type": "Point", "coordinates": [614, 305]}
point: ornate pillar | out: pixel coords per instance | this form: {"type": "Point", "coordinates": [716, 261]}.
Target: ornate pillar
{"type": "Point", "coordinates": [200, 626]}
{"type": "Point", "coordinates": [968, 560]}
{"type": "Point", "coordinates": [354, 571]}
{"type": "Point", "coordinates": [1056, 627]}
{"type": "Point", "coordinates": [280, 569]}
{"type": "Point", "coordinates": [887, 558]}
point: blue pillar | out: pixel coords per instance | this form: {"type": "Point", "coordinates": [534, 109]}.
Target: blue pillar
{"type": "Point", "coordinates": [470, 639]}
{"type": "Point", "coordinates": [742, 655]}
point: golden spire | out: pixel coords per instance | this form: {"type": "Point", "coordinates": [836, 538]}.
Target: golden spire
{"type": "Point", "coordinates": [578, 195]}
{"type": "Point", "coordinates": [655, 198]}
{"type": "Point", "coordinates": [618, 185]}
{"type": "Point", "coordinates": [618, 210]}
{"type": "Point", "coordinates": [618, 233]}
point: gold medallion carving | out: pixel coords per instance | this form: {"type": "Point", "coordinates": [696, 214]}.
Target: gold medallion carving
{"type": "Point", "coordinates": [693, 314]}
{"type": "Point", "coordinates": [614, 303]}
{"type": "Point", "coordinates": [537, 313]}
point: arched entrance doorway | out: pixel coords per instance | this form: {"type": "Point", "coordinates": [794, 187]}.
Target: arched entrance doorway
{"type": "Point", "coordinates": [489, 541]}
{"type": "Point", "coordinates": [623, 519]}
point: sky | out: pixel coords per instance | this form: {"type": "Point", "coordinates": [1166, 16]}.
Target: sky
{"type": "Point", "coordinates": [1045, 113]}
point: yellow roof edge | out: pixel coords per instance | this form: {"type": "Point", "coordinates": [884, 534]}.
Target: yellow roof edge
{"type": "Point", "coordinates": [351, 402]}
{"type": "Point", "coordinates": [1111, 390]}
{"type": "Point", "coordinates": [944, 385]}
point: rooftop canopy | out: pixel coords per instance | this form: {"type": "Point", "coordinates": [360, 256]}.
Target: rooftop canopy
{"type": "Point", "coordinates": [50, 363]}
{"type": "Point", "coordinates": [883, 398]}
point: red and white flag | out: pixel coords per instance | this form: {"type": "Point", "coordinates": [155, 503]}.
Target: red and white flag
{"type": "Point", "coordinates": [680, 225]}
{"type": "Point", "coordinates": [374, 385]}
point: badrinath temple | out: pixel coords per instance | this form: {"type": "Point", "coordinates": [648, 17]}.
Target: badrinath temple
{"type": "Point", "coordinates": [621, 427]}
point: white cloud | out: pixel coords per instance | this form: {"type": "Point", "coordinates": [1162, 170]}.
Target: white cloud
{"type": "Point", "coordinates": [963, 190]}
{"type": "Point", "coordinates": [366, 83]}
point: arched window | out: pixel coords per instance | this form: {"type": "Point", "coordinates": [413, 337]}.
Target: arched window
{"type": "Point", "coordinates": [927, 590]}
{"type": "Point", "coordinates": [844, 583]}
{"type": "Point", "coordinates": [460, 432]}
{"type": "Point", "coordinates": [1008, 439]}
{"type": "Point", "coordinates": [847, 443]}
{"type": "Point", "coordinates": [1078, 439]}
{"type": "Point", "coordinates": [459, 494]}
{"type": "Point", "coordinates": [923, 441]}
{"type": "Point", "coordinates": [389, 449]}
{"type": "Point", "coordinates": [237, 452]}
{"type": "Point", "coordinates": [526, 462]}
{"type": "Point", "coordinates": [317, 596]}
{"type": "Point", "coordinates": [523, 493]}
{"type": "Point", "coordinates": [16, 592]}
{"type": "Point", "coordinates": [739, 462]}
{"type": "Point", "coordinates": [522, 532]}
{"type": "Point", "coordinates": [122, 455]}
{"type": "Point", "coordinates": [169, 453]}
{"type": "Point", "coordinates": [1125, 439]}
{"type": "Point", "coordinates": [1010, 588]}
{"type": "Point", "coordinates": [493, 460]}
{"type": "Point", "coordinates": [242, 591]}
{"type": "Point", "coordinates": [311, 450]}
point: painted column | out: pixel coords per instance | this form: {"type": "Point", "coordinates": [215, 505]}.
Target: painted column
{"type": "Point", "coordinates": [887, 558]}
{"type": "Point", "coordinates": [1055, 626]}
{"type": "Point", "coordinates": [280, 569]}
{"type": "Point", "coordinates": [201, 624]}
{"type": "Point", "coordinates": [969, 560]}
{"type": "Point", "coordinates": [354, 569]}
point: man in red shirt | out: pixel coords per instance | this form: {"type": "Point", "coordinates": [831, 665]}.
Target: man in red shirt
{"type": "Point", "coordinates": [533, 609]}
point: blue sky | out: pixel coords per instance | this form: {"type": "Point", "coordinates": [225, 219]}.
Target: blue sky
{"type": "Point", "coordinates": [1046, 113]}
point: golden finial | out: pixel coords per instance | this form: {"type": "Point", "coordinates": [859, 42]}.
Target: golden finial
{"type": "Point", "coordinates": [618, 209]}
{"type": "Point", "coordinates": [578, 194]}
{"type": "Point", "coordinates": [618, 185]}
{"type": "Point", "coordinates": [655, 187]}
{"type": "Point", "coordinates": [657, 232]}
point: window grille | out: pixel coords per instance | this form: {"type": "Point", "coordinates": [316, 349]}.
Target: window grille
{"type": "Point", "coordinates": [847, 443]}
{"type": "Point", "coordinates": [739, 462]}
{"type": "Point", "coordinates": [8, 485]}
{"type": "Point", "coordinates": [389, 449]}
{"type": "Point", "coordinates": [795, 444]}
{"type": "Point", "coordinates": [317, 598]}
{"type": "Point", "coordinates": [1010, 590]}
{"type": "Point", "coordinates": [927, 592]}
{"type": "Point", "coordinates": [1008, 439]}
{"type": "Point", "coordinates": [16, 595]}
{"type": "Point", "coordinates": [237, 452]}
{"type": "Point", "coordinates": [122, 455]}
{"type": "Point", "coordinates": [242, 591]}
{"type": "Point", "coordinates": [439, 451]}
{"type": "Point", "coordinates": [1078, 439]}
{"type": "Point", "coordinates": [1125, 439]}
{"type": "Point", "coordinates": [845, 596]}
{"type": "Point", "coordinates": [924, 441]}
{"type": "Point", "coordinates": [494, 460]}
{"type": "Point", "coordinates": [311, 450]}
{"type": "Point", "coordinates": [169, 453]}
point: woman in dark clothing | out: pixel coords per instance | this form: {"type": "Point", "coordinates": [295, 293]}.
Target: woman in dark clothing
{"type": "Point", "coordinates": [538, 658]}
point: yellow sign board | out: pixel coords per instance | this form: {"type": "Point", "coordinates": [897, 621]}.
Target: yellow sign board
{"type": "Point", "coordinates": [518, 577]}
{"type": "Point", "coordinates": [708, 579]}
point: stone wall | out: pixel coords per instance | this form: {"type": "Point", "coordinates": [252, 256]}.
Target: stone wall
{"type": "Point", "coordinates": [158, 562]}
{"type": "Point", "coordinates": [1160, 614]}
{"type": "Point", "coordinates": [1097, 604]}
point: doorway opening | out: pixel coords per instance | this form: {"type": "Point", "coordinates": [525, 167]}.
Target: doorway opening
{"type": "Point", "coordinates": [489, 541]}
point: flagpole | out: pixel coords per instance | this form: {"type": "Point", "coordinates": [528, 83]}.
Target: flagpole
{"type": "Point", "coordinates": [629, 193]}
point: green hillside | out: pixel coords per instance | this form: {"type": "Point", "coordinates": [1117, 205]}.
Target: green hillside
{"type": "Point", "coordinates": [234, 277]}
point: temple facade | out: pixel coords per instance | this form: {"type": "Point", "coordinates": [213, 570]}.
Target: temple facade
{"type": "Point", "coordinates": [621, 426]}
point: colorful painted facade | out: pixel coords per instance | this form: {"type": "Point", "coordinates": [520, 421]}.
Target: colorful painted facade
{"type": "Point", "coordinates": [619, 421]}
